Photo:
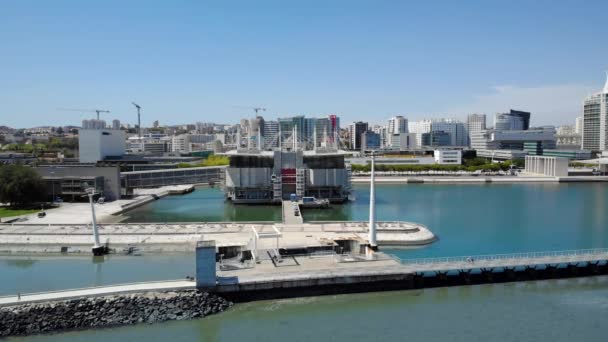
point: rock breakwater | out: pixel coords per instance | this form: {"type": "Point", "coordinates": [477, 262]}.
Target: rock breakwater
{"type": "Point", "coordinates": [108, 311]}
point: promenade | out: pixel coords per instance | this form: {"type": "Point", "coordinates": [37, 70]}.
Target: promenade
{"type": "Point", "coordinates": [97, 292]}
{"type": "Point", "coordinates": [380, 272]}
{"type": "Point", "coordinates": [147, 237]}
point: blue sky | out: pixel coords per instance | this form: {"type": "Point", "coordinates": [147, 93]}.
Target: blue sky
{"type": "Point", "coordinates": [187, 61]}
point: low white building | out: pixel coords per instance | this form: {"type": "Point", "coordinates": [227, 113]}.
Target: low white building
{"type": "Point", "coordinates": [96, 144]}
{"type": "Point", "coordinates": [548, 166]}
{"type": "Point", "coordinates": [449, 157]}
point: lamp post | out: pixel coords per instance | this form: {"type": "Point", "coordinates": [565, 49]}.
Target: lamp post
{"type": "Point", "coordinates": [97, 249]}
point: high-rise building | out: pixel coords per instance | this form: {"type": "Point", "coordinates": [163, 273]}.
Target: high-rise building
{"type": "Point", "coordinates": [356, 129]}
{"type": "Point", "coordinates": [456, 130]}
{"type": "Point", "coordinates": [93, 124]}
{"type": "Point", "coordinates": [155, 124]}
{"type": "Point", "coordinates": [370, 141]}
{"type": "Point", "coordinates": [508, 122]}
{"type": "Point", "coordinates": [475, 123]}
{"type": "Point", "coordinates": [595, 120]}
{"type": "Point", "coordinates": [397, 124]}
{"type": "Point", "coordinates": [115, 124]}
{"type": "Point", "coordinates": [515, 120]}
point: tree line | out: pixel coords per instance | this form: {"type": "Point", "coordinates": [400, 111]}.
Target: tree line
{"type": "Point", "coordinates": [21, 186]}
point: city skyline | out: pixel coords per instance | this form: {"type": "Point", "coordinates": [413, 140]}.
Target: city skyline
{"type": "Point", "coordinates": [361, 61]}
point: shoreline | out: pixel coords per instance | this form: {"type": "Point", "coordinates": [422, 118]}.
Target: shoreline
{"type": "Point", "coordinates": [477, 179]}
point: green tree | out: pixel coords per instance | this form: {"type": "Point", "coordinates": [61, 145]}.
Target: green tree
{"type": "Point", "coordinates": [20, 186]}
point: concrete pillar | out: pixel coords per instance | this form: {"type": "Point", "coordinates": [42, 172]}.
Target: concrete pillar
{"type": "Point", "coordinates": [372, 207]}
{"type": "Point", "coordinates": [205, 264]}
{"type": "Point", "coordinates": [97, 249]}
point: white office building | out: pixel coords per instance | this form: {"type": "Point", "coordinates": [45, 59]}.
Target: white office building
{"type": "Point", "coordinates": [403, 142]}
{"type": "Point", "coordinates": [96, 144]}
{"type": "Point", "coordinates": [455, 128]}
{"type": "Point", "coordinates": [595, 120]}
{"type": "Point", "coordinates": [397, 124]}
{"type": "Point", "coordinates": [475, 123]}
{"type": "Point", "coordinates": [448, 157]}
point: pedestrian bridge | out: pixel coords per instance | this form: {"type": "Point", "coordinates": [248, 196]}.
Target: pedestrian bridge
{"type": "Point", "coordinates": [507, 261]}
{"type": "Point", "coordinates": [157, 178]}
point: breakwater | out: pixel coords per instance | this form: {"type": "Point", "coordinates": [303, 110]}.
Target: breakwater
{"type": "Point", "coordinates": [108, 311]}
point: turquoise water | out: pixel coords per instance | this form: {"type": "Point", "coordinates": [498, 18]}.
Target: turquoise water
{"type": "Point", "coordinates": [469, 220]}
{"type": "Point", "coordinates": [202, 205]}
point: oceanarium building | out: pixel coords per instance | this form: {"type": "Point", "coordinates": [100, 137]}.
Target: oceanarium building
{"type": "Point", "coordinates": [258, 176]}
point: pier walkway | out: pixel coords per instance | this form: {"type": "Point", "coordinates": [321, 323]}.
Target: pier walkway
{"type": "Point", "coordinates": [97, 291]}
{"type": "Point", "coordinates": [289, 213]}
{"type": "Point", "coordinates": [381, 273]}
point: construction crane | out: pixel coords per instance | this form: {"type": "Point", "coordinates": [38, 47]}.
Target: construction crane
{"type": "Point", "coordinates": [85, 111]}
{"type": "Point", "coordinates": [255, 109]}
{"type": "Point", "coordinates": [138, 119]}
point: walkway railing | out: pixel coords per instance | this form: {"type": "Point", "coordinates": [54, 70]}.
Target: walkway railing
{"type": "Point", "coordinates": [512, 256]}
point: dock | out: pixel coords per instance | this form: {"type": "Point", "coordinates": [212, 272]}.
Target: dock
{"type": "Point", "coordinates": [298, 276]}
{"type": "Point", "coordinates": [290, 209]}
{"type": "Point", "coordinates": [343, 274]}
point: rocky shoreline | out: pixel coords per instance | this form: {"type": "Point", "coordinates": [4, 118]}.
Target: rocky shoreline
{"type": "Point", "coordinates": [108, 311]}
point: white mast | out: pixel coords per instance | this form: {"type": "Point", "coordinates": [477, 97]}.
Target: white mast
{"type": "Point", "coordinates": [372, 208]}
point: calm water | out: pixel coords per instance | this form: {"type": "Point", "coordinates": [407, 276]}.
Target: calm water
{"type": "Point", "coordinates": [469, 219]}
{"type": "Point", "coordinates": [562, 310]}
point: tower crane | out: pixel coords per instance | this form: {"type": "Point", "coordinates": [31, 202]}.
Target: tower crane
{"type": "Point", "coordinates": [255, 109]}
{"type": "Point", "coordinates": [85, 111]}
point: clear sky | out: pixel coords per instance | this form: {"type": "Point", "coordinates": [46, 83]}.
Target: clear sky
{"type": "Point", "coordinates": [188, 61]}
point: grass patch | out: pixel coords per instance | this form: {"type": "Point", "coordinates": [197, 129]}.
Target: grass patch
{"type": "Point", "coordinates": [8, 212]}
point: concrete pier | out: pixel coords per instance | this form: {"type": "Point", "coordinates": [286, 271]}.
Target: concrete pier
{"type": "Point", "coordinates": [159, 238]}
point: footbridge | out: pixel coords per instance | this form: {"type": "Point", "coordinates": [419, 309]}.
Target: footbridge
{"type": "Point", "coordinates": [156, 178]}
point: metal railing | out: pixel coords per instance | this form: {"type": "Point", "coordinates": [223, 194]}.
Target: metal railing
{"type": "Point", "coordinates": [512, 256]}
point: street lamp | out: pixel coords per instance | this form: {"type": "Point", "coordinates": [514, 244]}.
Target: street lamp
{"type": "Point", "coordinates": [97, 249]}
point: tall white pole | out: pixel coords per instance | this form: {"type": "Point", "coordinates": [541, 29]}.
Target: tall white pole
{"type": "Point", "coordinates": [372, 207]}
{"type": "Point", "coordinates": [95, 232]}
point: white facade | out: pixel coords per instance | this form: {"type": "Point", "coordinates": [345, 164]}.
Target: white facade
{"type": "Point", "coordinates": [403, 141]}
{"type": "Point", "coordinates": [456, 129]}
{"type": "Point", "coordinates": [578, 127]}
{"type": "Point", "coordinates": [397, 124]}
{"type": "Point", "coordinates": [548, 166]}
{"type": "Point", "coordinates": [96, 144]}
{"type": "Point", "coordinates": [595, 122]}
{"type": "Point", "coordinates": [180, 143]}
{"type": "Point", "coordinates": [449, 157]}
{"type": "Point", "coordinates": [419, 127]}
{"type": "Point", "coordinates": [475, 123]}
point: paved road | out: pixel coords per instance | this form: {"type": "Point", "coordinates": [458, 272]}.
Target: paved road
{"type": "Point", "coordinates": [97, 291]}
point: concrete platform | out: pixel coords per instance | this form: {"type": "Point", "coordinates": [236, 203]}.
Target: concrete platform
{"type": "Point", "coordinates": [23, 238]}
